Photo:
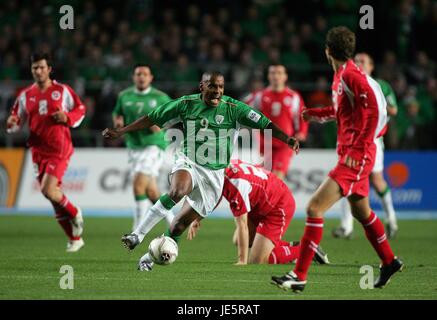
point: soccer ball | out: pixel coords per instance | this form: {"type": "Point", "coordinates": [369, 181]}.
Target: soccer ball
{"type": "Point", "coordinates": [163, 250]}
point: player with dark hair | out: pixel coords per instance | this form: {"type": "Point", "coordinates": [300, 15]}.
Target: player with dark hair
{"type": "Point", "coordinates": [359, 107]}
{"type": "Point", "coordinates": [365, 62]}
{"type": "Point", "coordinates": [283, 106]}
{"type": "Point", "coordinates": [51, 109]}
{"type": "Point", "coordinates": [211, 123]}
{"type": "Point", "coordinates": [145, 148]}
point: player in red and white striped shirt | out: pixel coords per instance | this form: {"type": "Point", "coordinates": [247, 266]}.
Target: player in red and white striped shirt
{"type": "Point", "coordinates": [263, 207]}
{"type": "Point", "coordinates": [359, 107]}
{"type": "Point", "coordinates": [283, 106]}
{"type": "Point", "coordinates": [51, 109]}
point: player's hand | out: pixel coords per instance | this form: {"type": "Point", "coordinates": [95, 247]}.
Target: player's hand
{"type": "Point", "coordinates": [112, 134]}
{"type": "Point", "coordinates": [60, 117]}
{"type": "Point", "coordinates": [350, 162]}
{"type": "Point", "coordinates": [192, 231]}
{"type": "Point", "coordinates": [300, 136]}
{"type": "Point", "coordinates": [294, 144]}
{"type": "Point", "coordinates": [12, 121]}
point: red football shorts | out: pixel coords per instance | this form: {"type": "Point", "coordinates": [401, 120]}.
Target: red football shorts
{"type": "Point", "coordinates": [353, 180]}
{"type": "Point", "coordinates": [274, 225]}
{"type": "Point", "coordinates": [49, 165]}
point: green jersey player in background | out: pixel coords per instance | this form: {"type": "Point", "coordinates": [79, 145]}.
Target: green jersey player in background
{"type": "Point", "coordinates": [365, 62]}
{"type": "Point", "coordinates": [210, 123]}
{"type": "Point", "coordinates": [146, 147]}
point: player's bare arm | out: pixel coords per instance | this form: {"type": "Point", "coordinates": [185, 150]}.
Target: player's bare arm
{"type": "Point", "coordinates": [118, 121]}
{"type": "Point", "coordinates": [140, 124]}
{"type": "Point", "coordinates": [242, 232]}
{"type": "Point", "coordinates": [279, 134]}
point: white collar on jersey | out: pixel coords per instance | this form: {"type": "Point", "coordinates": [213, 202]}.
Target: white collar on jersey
{"type": "Point", "coordinates": [146, 91]}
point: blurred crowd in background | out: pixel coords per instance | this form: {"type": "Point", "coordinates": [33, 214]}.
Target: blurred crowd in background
{"type": "Point", "coordinates": [240, 38]}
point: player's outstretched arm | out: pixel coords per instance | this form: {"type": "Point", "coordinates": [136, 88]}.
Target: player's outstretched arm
{"type": "Point", "coordinates": [281, 135]}
{"type": "Point", "coordinates": [139, 124]}
{"type": "Point", "coordinates": [323, 114]}
{"type": "Point", "coordinates": [242, 239]}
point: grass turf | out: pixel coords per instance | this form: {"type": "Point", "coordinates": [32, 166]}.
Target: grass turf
{"type": "Point", "coordinates": [32, 252]}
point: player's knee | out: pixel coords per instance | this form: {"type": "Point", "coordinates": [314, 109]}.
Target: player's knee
{"type": "Point", "coordinates": [177, 193]}
{"type": "Point", "coordinates": [314, 209]}
{"type": "Point", "coordinates": [49, 192]}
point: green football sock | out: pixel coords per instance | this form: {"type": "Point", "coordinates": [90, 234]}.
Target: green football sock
{"type": "Point", "coordinates": [166, 201]}
{"type": "Point", "coordinates": [175, 238]}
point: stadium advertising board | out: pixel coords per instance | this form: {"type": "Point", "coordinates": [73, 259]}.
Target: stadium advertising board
{"type": "Point", "coordinates": [100, 179]}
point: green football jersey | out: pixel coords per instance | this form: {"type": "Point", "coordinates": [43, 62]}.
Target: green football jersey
{"type": "Point", "coordinates": [209, 133]}
{"type": "Point", "coordinates": [133, 104]}
{"type": "Point", "coordinates": [389, 94]}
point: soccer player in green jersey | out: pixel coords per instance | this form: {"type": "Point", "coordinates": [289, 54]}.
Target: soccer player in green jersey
{"type": "Point", "coordinates": [210, 126]}
{"type": "Point", "coordinates": [365, 62]}
{"type": "Point", "coordinates": [146, 147]}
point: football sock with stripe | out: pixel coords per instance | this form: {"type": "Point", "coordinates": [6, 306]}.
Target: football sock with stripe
{"type": "Point", "coordinates": [284, 254]}
{"type": "Point", "coordinates": [308, 245]}
{"type": "Point", "coordinates": [142, 205]}
{"type": "Point", "coordinates": [376, 235]}
{"type": "Point", "coordinates": [155, 214]}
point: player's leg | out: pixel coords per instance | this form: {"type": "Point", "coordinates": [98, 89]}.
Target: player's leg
{"type": "Point", "coordinates": [383, 190]}
{"type": "Point", "coordinates": [326, 195]}
{"type": "Point", "coordinates": [181, 185]}
{"type": "Point", "coordinates": [67, 215]}
{"type": "Point", "coordinates": [346, 222]}
{"type": "Point", "coordinates": [281, 158]}
{"type": "Point", "coordinates": [261, 249]}
{"type": "Point", "coordinates": [182, 221]}
{"type": "Point", "coordinates": [153, 193]}
{"type": "Point", "coordinates": [374, 230]}
{"type": "Point", "coordinates": [142, 202]}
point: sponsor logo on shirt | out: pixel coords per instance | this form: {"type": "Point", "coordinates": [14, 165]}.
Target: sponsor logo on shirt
{"type": "Point", "coordinates": [254, 116]}
{"type": "Point", "coordinates": [56, 95]}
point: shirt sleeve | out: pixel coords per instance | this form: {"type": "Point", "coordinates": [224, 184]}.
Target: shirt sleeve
{"type": "Point", "coordinates": [238, 199]}
{"type": "Point", "coordinates": [366, 108]}
{"type": "Point", "coordinates": [302, 126]}
{"type": "Point", "coordinates": [168, 114]}
{"type": "Point", "coordinates": [74, 107]}
{"type": "Point", "coordinates": [250, 117]}
{"type": "Point", "coordinates": [19, 110]}
{"type": "Point", "coordinates": [322, 114]}
{"type": "Point", "coordinates": [390, 97]}
{"type": "Point", "coordinates": [254, 99]}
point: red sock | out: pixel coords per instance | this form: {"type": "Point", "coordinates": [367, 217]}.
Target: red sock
{"type": "Point", "coordinates": [283, 243]}
{"type": "Point", "coordinates": [376, 235]}
{"type": "Point", "coordinates": [69, 208]}
{"type": "Point", "coordinates": [310, 241]}
{"type": "Point", "coordinates": [64, 221]}
{"type": "Point", "coordinates": [284, 254]}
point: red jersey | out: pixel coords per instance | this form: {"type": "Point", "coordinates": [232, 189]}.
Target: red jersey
{"type": "Point", "coordinates": [282, 108]}
{"type": "Point", "coordinates": [254, 190]}
{"type": "Point", "coordinates": [47, 137]}
{"type": "Point", "coordinates": [359, 107]}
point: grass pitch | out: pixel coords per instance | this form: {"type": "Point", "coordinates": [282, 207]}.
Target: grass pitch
{"type": "Point", "coordinates": [32, 251]}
